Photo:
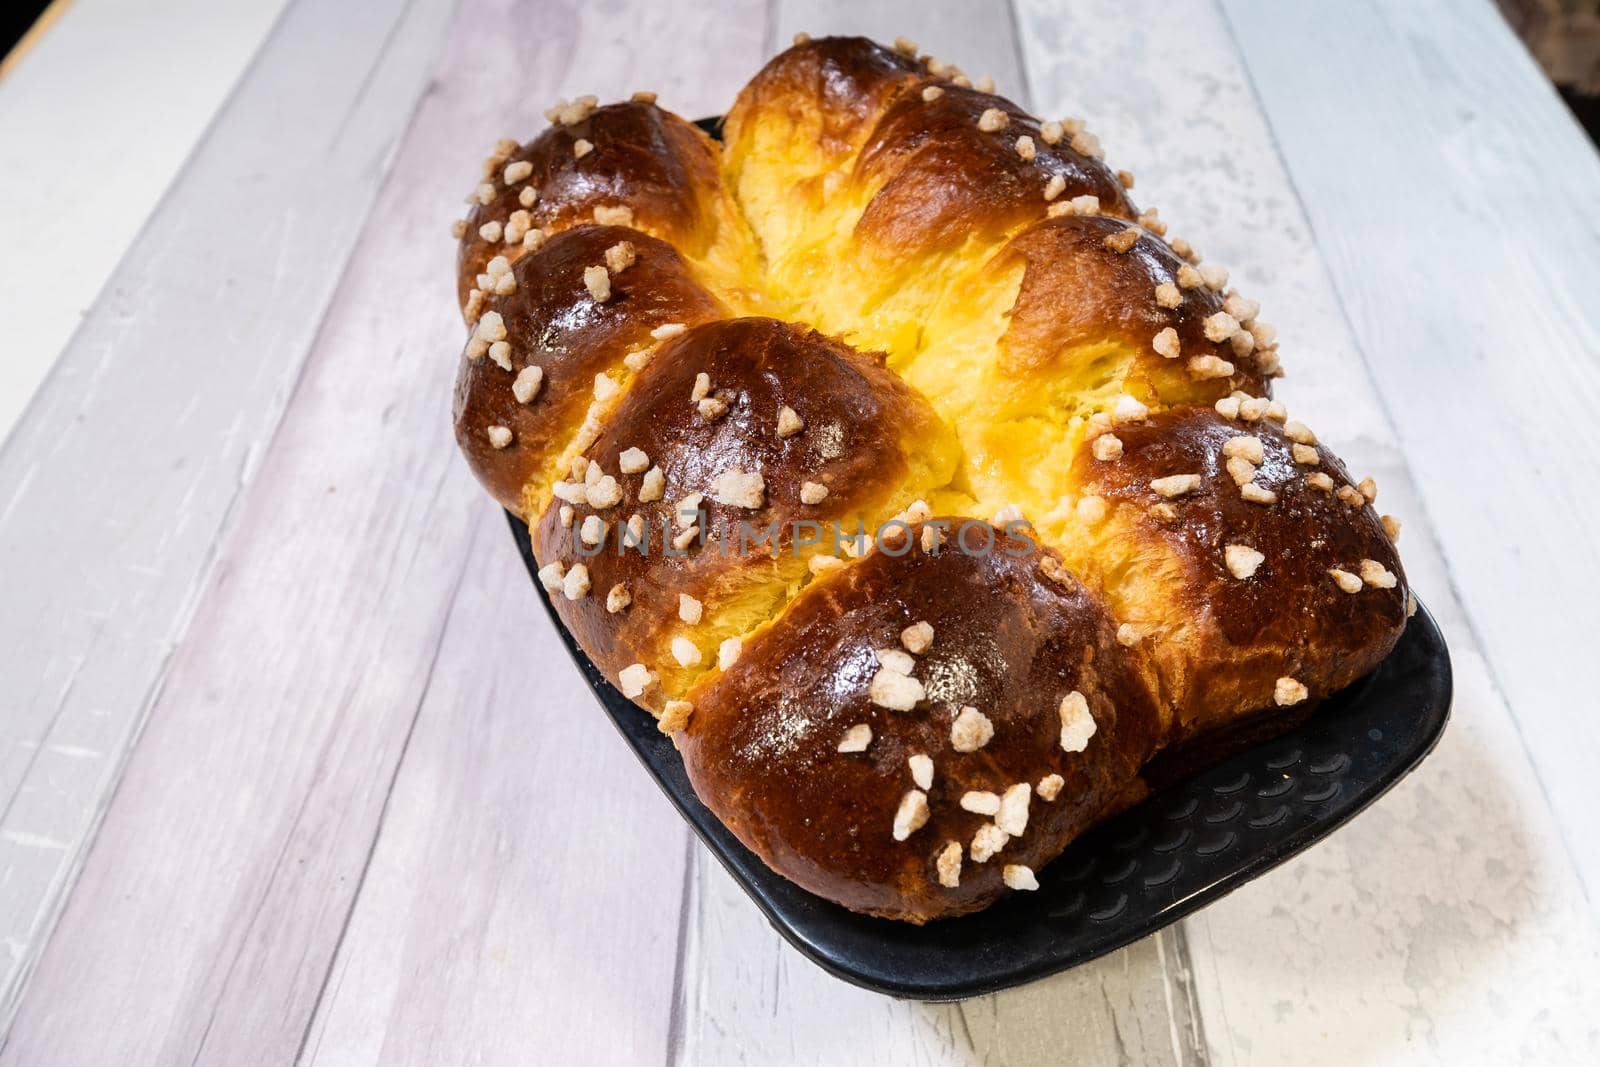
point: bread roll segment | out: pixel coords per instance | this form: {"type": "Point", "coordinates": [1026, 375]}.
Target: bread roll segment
{"type": "Point", "coordinates": [552, 323]}
{"type": "Point", "coordinates": [1007, 640]}
{"type": "Point", "coordinates": [943, 177]}
{"type": "Point", "coordinates": [1171, 566]}
{"type": "Point", "coordinates": [865, 437]}
{"type": "Point", "coordinates": [892, 295]}
{"type": "Point", "coordinates": [627, 159]}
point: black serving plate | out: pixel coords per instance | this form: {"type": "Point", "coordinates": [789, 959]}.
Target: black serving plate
{"type": "Point", "coordinates": [1193, 841]}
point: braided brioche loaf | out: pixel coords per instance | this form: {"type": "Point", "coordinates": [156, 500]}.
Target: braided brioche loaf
{"type": "Point", "coordinates": [894, 303]}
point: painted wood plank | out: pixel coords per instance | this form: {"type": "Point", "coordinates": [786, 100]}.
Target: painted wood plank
{"type": "Point", "coordinates": [748, 997]}
{"type": "Point", "coordinates": [753, 1000]}
{"type": "Point", "coordinates": [136, 452]}
{"type": "Point", "coordinates": [1446, 924]}
{"type": "Point", "coordinates": [85, 159]}
{"type": "Point", "coordinates": [522, 902]}
{"type": "Point", "coordinates": [1452, 153]}
{"type": "Point", "coordinates": [268, 762]}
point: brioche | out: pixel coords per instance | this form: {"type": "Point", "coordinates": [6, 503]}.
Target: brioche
{"type": "Point", "coordinates": [924, 487]}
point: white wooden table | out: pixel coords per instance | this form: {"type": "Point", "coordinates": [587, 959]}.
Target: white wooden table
{"type": "Point", "coordinates": [293, 769]}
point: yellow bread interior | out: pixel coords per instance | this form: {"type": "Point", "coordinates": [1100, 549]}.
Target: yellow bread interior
{"type": "Point", "coordinates": [742, 601]}
{"type": "Point", "coordinates": [790, 249]}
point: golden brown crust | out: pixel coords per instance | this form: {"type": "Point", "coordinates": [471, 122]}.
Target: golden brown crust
{"type": "Point", "coordinates": [641, 158]}
{"type": "Point", "coordinates": [762, 744]}
{"type": "Point", "coordinates": [864, 435]}
{"type": "Point", "coordinates": [936, 178]}
{"type": "Point", "coordinates": [827, 91]}
{"type": "Point", "coordinates": [1221, 642]}
{"type": "Point", "coordinates": [553, 322]}
{"type": "Point", "coordinates": [942, 179]}
{"type": "Point", "coordinates": [1078, 292]}
{"type": "Point", "coordinates": [1045, 352]}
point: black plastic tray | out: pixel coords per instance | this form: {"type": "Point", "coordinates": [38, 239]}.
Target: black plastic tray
{"type": "Point", "coordinates": [1189, 844]}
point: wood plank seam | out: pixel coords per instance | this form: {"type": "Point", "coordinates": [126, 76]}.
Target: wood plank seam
{"type": "Point", "coordinates": [201, 578]}
{"type": "Point", "coordinates": [686, 897]}
{"type": "Point", "coordinates": [94, 359]}
{"type": "Point", "coordinates": [1386, 406]}
{"type": "Point", "coordinates": [1183, 999]}
{"type": "Point", "coordinates": [1025, 95]}
{"type": "Point", "coordinates": [770, 36]}
{"type": "Point", "coordinates": [56, 8]}
{"type": "Point", "coordinates": [203, 574]}
{"type": "Point", "coordinates": [359, 97]}
{"type": "Point", "coordinates": [383, 811]}
{"type": "Point", "coordinates": [1481, 166]}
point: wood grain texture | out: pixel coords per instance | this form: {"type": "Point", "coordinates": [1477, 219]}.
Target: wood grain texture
{"type": "Point", "coordinates": [1451, 152]}
{"type": "Point", "coordinates": [1396, 939]}
{"type": "Point", "coordinates": [753, 1000]}
{"type": "Point", "coordinates": [84, 160]}
{"type": "Point", "coordinates": [522, 902]}
{"type": "Point", "coordinates": [205, 917]}
{"type": "Point", "coordinates": [138, 450]}
{"type": "Point", "coordinates": [210, 913]}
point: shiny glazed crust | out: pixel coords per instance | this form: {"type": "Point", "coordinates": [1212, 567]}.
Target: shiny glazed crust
{"type": "Point", "coordinates": [762, 746]}
{"type": "Point", "coordinates": [920, 483]}
{"type": "Point", "coordinates": [862, 441]}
